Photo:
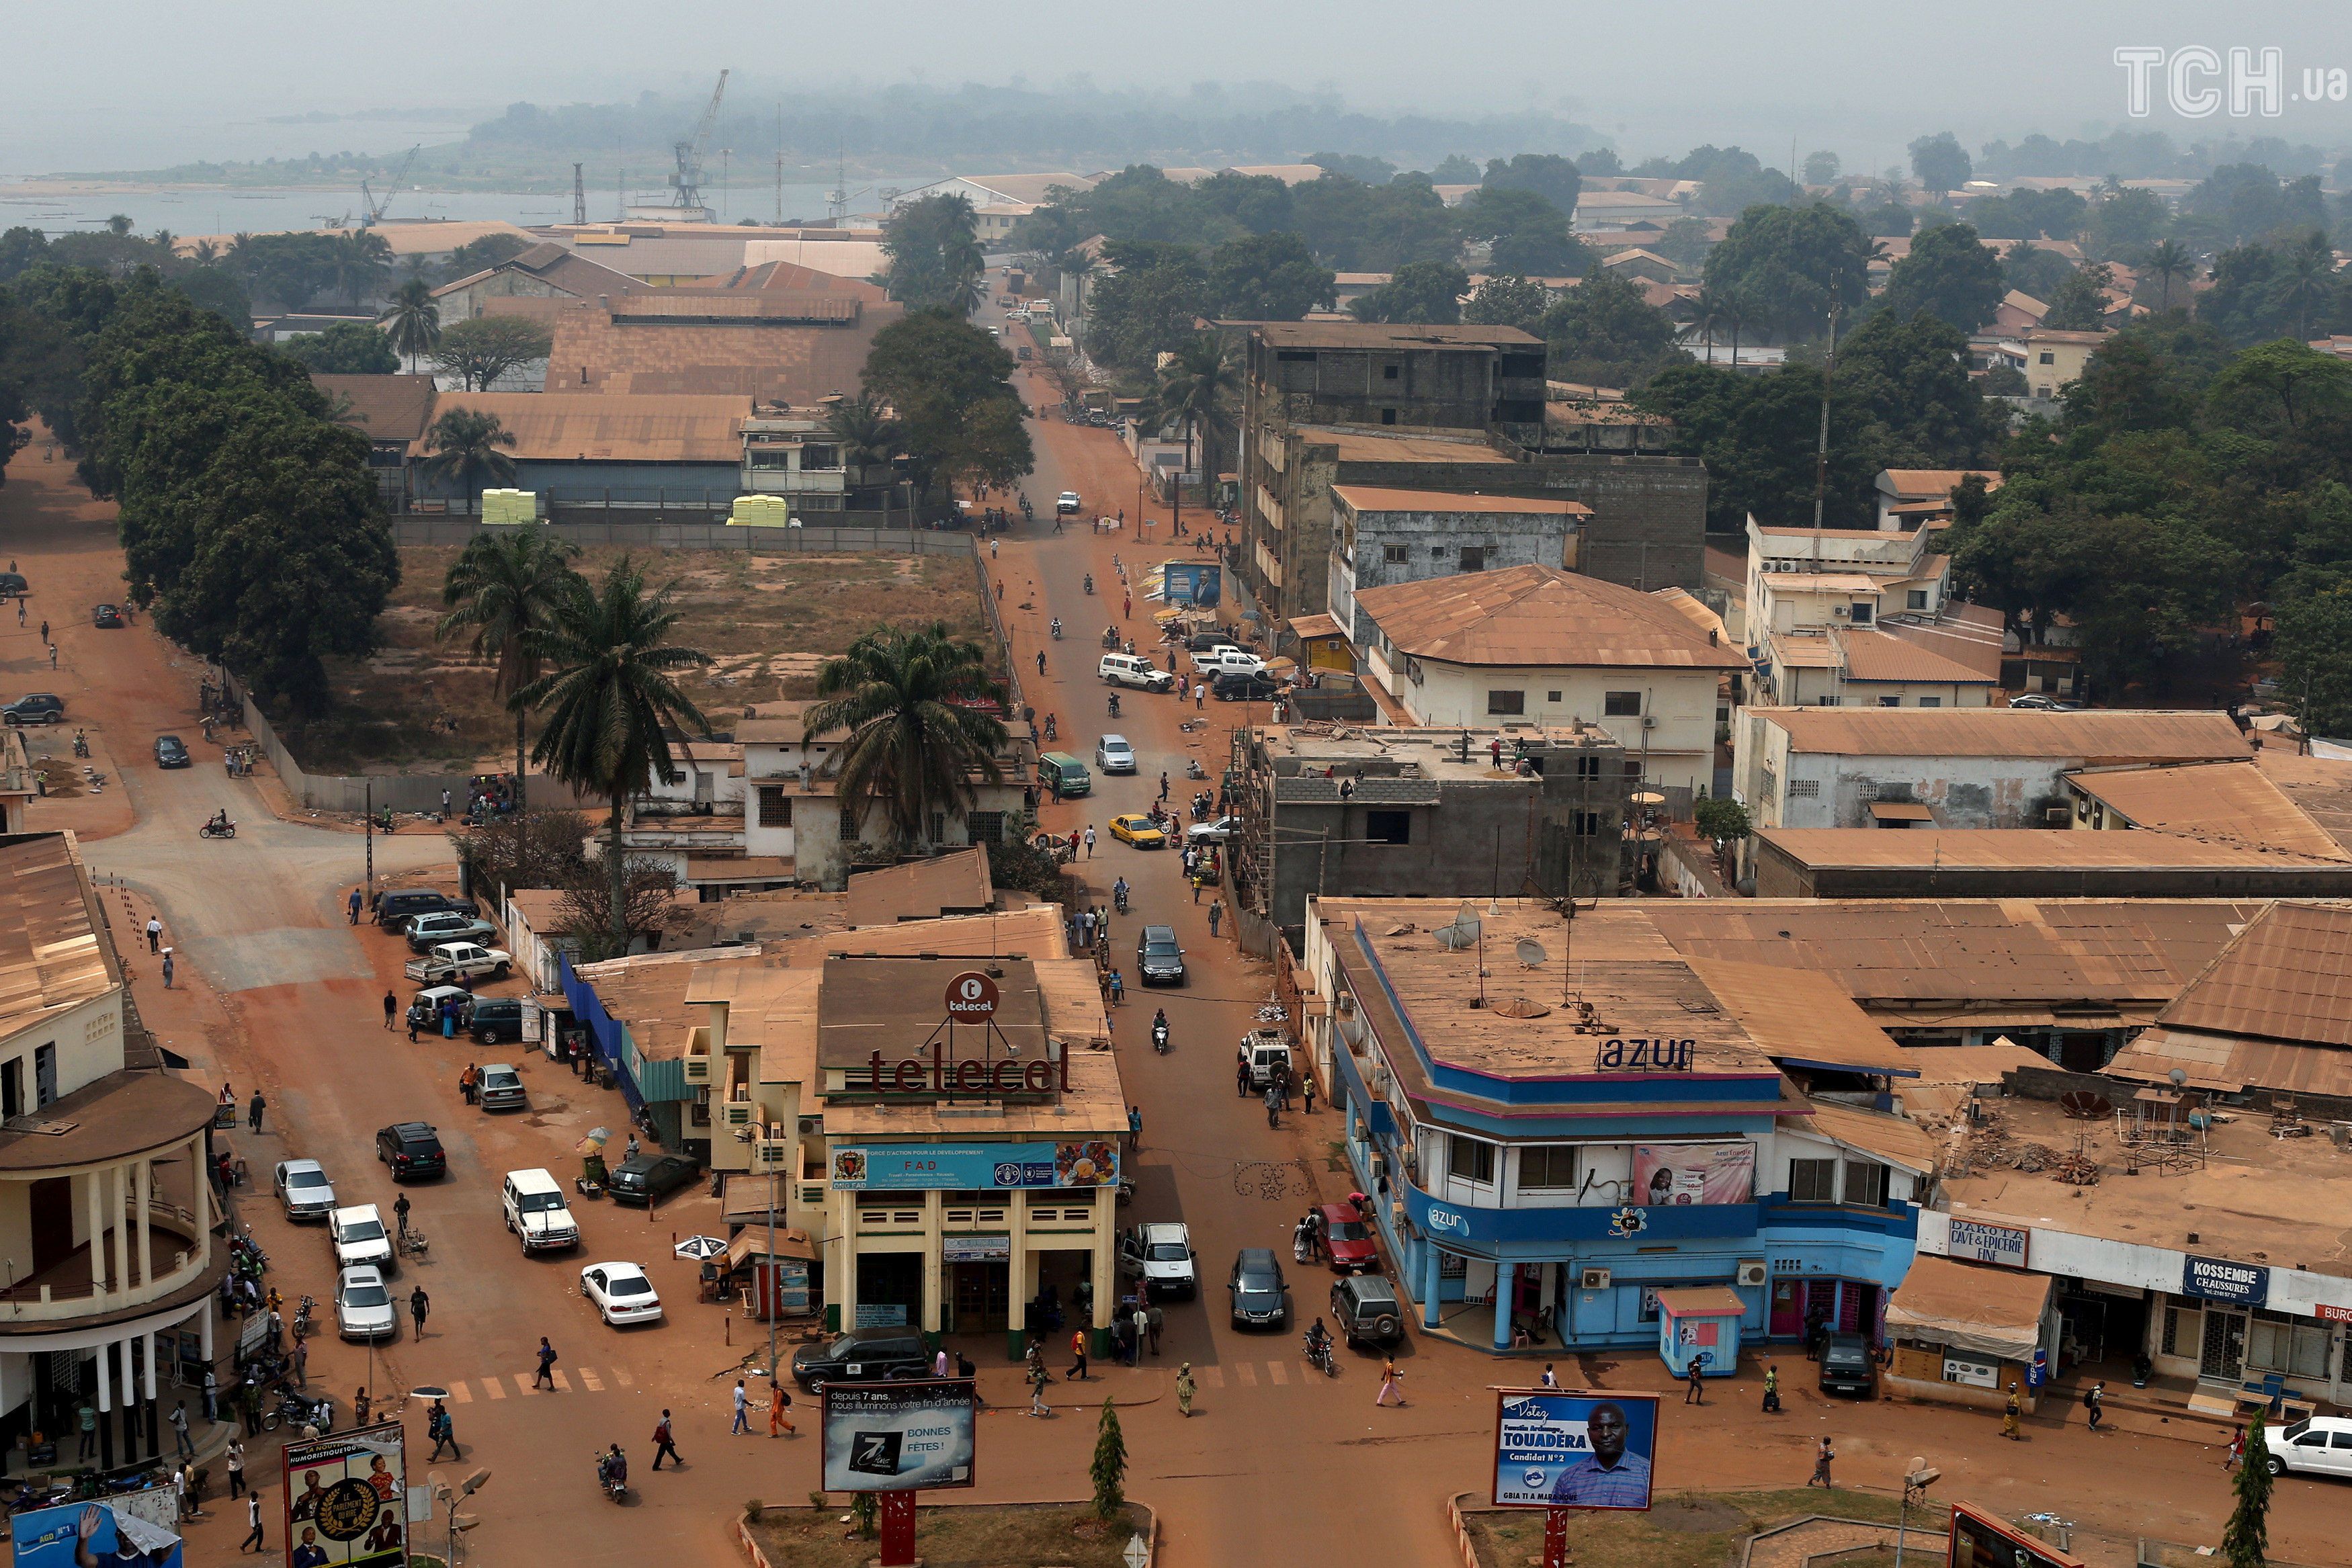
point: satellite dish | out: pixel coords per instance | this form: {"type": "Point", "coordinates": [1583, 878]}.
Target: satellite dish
{"type": "Point", "coordinates": [1532, 953]}
{"type": "Point", "coordinates": [1464, 931]}
{"type": "Point", "coordinates": [1518, 1008]}
{"type": "Point", "coordinates": [2081, 1106]}
{"type": "Point", "coordinates": [2179, 1076]}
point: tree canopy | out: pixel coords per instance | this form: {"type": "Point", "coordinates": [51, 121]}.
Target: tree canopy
{"type": "Point", "coordinates": [1421, 293]}
{"type": "Point", "coordinates": [481, 349]}
{"type": "Point", "coordinates": [951, 385]}
{"type": "Point", "coordinates": [1949, 275]}
{"type": "Point", "coordinates": [1790, 265]}
{"type": "Point", "coordinates": [347, 347]}
{"type": "Point", "coordinates": [935, 259]}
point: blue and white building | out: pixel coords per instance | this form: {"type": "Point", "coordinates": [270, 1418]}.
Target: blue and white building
{"type": "Point", "coordinates": [1553, 1143]}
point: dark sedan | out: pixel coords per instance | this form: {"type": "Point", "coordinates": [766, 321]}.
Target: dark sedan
{"type": "Point", "coordinates": [171, 751]}
{"type": "Point", "coordinates": [107, 617]}
{"type": "Point", "coordinates": [648, 1179]}
{"type": "Point", "coordinates": [1256, 1288]}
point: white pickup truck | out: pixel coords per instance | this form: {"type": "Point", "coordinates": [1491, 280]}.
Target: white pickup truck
{"type": "Point", "coordinates": [1227, 660]}
{"type": "Point", "coordinates": [459, 960]}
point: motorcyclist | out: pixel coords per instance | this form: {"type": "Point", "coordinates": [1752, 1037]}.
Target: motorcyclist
{"type": "Point", "coordinates": [1114, 705]}
{"type": "Point", "coordinates": [1057, 627]}
{"type": "Point", "coordinates": [1118, 890]}
{"type": "Point", "coordinates": [1159, 1021]}
{"type": "Point", "coordinates": [1090, 583]}
{"type": "Point", "coordinates": [613, 1467]}
{"type": "Point", "coordinates": [219, 822]}
{"type": "Point", "coordinates": [1318, 1341]}
{"type": "Point", "coordinates": [1051, 731]}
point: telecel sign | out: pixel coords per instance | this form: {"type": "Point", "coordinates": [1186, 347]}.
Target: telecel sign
{"type": "Point", "coordinates": [2219, 1280]}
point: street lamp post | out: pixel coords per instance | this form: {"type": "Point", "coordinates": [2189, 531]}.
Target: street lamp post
{"type": "Point", "coordinates": [1915, 1482]}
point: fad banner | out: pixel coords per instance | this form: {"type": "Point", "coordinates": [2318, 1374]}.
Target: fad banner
{"type": "Point", "coordinates": [1671, 1174]}
{"type": "Point", "coordinates": [966, 1167]}
{"type": "Point", "coordinates": [346, 1499]}
{"type": "Point", "coordinates": [898, 1437]}
{"type": "Point", "coordinates": [1574, 1450]}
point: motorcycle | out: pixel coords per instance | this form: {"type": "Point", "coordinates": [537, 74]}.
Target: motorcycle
{"type": "Point", "coordinates": [217, 831]}
{"type": "Point", "coordinates": [1318, 1356]}
{"type": "Point", "coordinates": [611, 1482]}
{"type": "Point", "coordinates": [1114, 705]}
{"type": "Point", "coordinates": [302, 1324]}
{"type": "Point", "coordinates": [82, 744]}
{"type": "Point", "coordinates": [295, 1409]}
{"type": "Point", "coordinates": [1050, 733]}
{"type": "Point", "coordinates": [1118, 899]}
{"type": "Point", "coordinates": [1090, 583]}
{"type": "Point", "coordinates": [1058, 628]}
{"type": "Point", "coordinates": [1159, 1036]}
{"type": "Point", "coordinates": [1203, 804]}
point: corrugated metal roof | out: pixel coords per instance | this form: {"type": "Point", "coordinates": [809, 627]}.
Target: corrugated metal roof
{"type": "Point", "coordinates": [618, 427]}
{"type": "Point", "coordinates": [921, 890]}
{"type": "Point", "coordinates": [2287, 978]}
{"type": "Point", "coordinates": [1800, 1013]}
{"type": "Point", "coordinates": [2218, 802]}
{"type": "Point", "coordinates": [2020, 848]}
{"type": "Point", "coordinates": [382, 408]}
{"type": "Point", "coordinates": [1877, 656]}
{"type": "Point", "coordinates": [2113, 734]}
{"type": "Point", "coordinates": [716, 342]}
{"type": "Point", "coordinates": [1898, 1140]}
{"type": "Point", "coordinates": [1969, 1307]}
{"type": "Point", "coordinates": [1539, 615]}
{"type": "Point", "coordinates": [2320, 786]}
{"type": "Point", "coordinates": [52, 954]}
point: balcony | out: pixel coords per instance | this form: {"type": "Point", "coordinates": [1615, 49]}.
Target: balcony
{"type": "Point", "coordinates": [64, 1290]}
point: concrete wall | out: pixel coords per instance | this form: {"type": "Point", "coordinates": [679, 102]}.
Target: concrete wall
{"type": "Point", "coordinates": [762, 538]}
{"type": "Point", "coordinates": [1680, 746]}
{"type": "Point", "coordinates": [1361, 543]}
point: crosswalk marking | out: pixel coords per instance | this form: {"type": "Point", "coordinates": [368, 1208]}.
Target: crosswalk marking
{"type": "Point", "coordinates": [562, 1384]}
{"type": "Point", "coordinates": [588, 1381]}
{"type": "Point", "coordinates": [621, 1375]}
{"type": "Point", "coordinates": [1214, 1376]}
{"type": "Point", "coordinates": [1279, 1372]}
{"type": "Point", "coordinates": [494, 1389]}
{"type": "Point", "coordinates": [1247, 1373]}
{"type": "Point", "coordinates": [459, 1394]}
{"type": "Point", "coordinates": [526, 1387]}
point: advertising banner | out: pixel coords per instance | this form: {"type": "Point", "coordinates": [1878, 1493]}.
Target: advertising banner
{"type": "Point", "coordinates": [898, 1437]}
{"type": "Point", "coordinates": [2219, 1280]}
{"type": "Point", "coordinates": [964, 1168]}
{"type": "Point", "coordinates": [346, 1499]}
{"type": "Point", "coordinates": [1670, 1174]}
{"type": "Point", "coordinates": [1979, 1539]}
{"type": "Point", "coordinates": [1198, 582]}
{"type": "Point", "coordinates": [1574, 1450]}
{"type": "Point", "coordinates": [106, 1533]}
{"type": "Point", "coordinates": [2002, 1244]}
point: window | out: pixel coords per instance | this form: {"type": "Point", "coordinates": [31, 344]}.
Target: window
{"type": "Point", "coordinates": [1469, 1159]}
{"type": "Point", "coordinates": [1917, 599]}
{"type": "Point", "coordinates": [1389, 827]}
{"type": "Point", "coordinates": [984, 827]}
{"type": "Point", "coordinates": [2295, 1347]}
{"type": "Point", "coordinates": [2047, 358]}
{"type": "Point", "coordinates": [1588, 768]}
{"type": "Point", "coordinates": [1550, 1166]}
{"type": "Point", "coordinates": [775, 807]}
{"type": "Point", "coordinates": [1621, 705]}
{"type": "Point", "coordinates": [1437, 552]}
{"type": "Point", "coordinates": [848, 825]}
{"type": "Point", "coordinates": [702, 1106]}
{"type": "Point", "coordinates": [1804, 788]}
{"type": "Point", "coordinates": [1863, 612]}
{"type": "Point", "coordinates": [774, 457]}
{"type": "Point", "coordinates": [1388, 372]}
{"type": "Point", "coordinates": [2184, 1330]}
{"type": "Point", "coordinates": [1473, 558]}
{"type": "Point", "coordinates": [1865, 1184]}
{"type": "Point", "coordinates": [1506, 702]}
{"type": "Point", "coordinates": [1931, 702]}
{"type": "Point", "coordinates": [1825, 701]}
{"type": "Point", "coordinates": [12, 1087]}
{"type": "Point", "coordinates": [939, 827]}
{"type": "Point", "coordinates": [1388, 416]}
{"type": "Point", "coordinates": [1551, 696]}
{"type": "Point", "coordinates": [820, 455]}
{"type": "Point", "coordinates": [1890, 702]}
{"type": "Point", "coordinates": [1393, 554]}
{"type": "Point", "coordinates": [1588, 824]}
{"type": "Point", "coordinates": [1812, 1181]}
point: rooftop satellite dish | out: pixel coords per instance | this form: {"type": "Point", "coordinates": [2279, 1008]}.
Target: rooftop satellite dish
{"type": "Point", "coordinates": [2179, 1076]}
{"type": "Point", "coordinates": [1532, 953]}
{"type": "Point", "coordinates": [1464, 931]}
{"type": "Point", "coordinates": [2082, 1105]}
{"type": "Point", "coordinates": [1518, 1008]}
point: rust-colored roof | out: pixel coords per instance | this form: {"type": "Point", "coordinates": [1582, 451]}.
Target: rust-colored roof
{"type": "Point", "coordinates": [2216, 802]}
{"type": "Point", "coordinates": [54, 953]}
{"type": "Point", "coordinates": [382, 408]}
{"type": "Point", "coordinates": [1969, 1307]}
{"type": "Point", "coordinates": [2321, 786]}
{"type": "Point", "coordinates": [1539, 615]}
{"type": "Point", "coordinates": [1934, 483]}
{"type": "Point", "coordinates": [1898, 1140]}
{"type": "Point", "coordinates": [1799, 1014]}
{"type": "Point", "coordinates": [2286, 979]}
{"type": "Point", "coordinates": [1877, 656]}
{"type": "Point", "coordinates": [2121, 735]}
{"type": "Point", "coordinates": [1701, 1302]}
{"type": "Point", "coordinates": [2020, 848]}
{"type": "Point", "coordinates": [1381, 499]}
{"type": "Point", "coordinates": [779, 348]}
{"type": "Point", "coordinates": [612, 427]}
{"type": "Point", "coordinates": [1957, 637]}
{"type": "Point", "coordinates": [1317, 625]}
{"type": "Point", "coordinates": [791, 278]}
{"type": "Point", "coordinates": [955, 883]}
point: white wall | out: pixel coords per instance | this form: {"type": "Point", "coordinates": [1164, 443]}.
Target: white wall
{"type": "Point", "coordinates": [1681, 744]}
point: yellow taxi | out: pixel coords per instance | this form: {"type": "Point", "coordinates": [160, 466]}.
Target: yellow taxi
{"type": "Point", "coordinates": [1136, 829]}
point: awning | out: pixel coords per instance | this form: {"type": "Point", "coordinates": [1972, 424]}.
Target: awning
{"type": "Point", "coordinates": [1964, 1306]}
{"type": "Point", "coordinates": [738, 868]}
{"type": "Point", "coordinates": [752, 1241]}
{"type": "Point", "coordinates": [1901, 1143]}
{"type": "Point", "coordinates": [1900, 812]}
{"type": "Point", "coordinates": [1702, 1301]}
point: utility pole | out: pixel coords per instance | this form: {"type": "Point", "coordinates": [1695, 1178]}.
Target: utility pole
{"type": "Point", "coordinates": [579, 198]}
{"type": "Point", "coordinates": [1821, 454]}
{"type": "Point", "coordinates": [367, 832]}
{"type": "Point", "coordinates": [780, 165]}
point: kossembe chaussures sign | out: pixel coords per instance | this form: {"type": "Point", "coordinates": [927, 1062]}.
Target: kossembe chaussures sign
{"type": "Point", "coordinates": [2219, 1280]}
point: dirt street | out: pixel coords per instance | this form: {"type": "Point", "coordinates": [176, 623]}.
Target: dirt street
{"type": "Point", "coordinates": [1277, 1465]}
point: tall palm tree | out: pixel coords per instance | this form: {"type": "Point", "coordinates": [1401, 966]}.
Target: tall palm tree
{"type": "Point", "coordinates": [1711, 312]}
{"type": "Point", "coordinates": [914, 742]}
{"type": "Point", "coordinates": [2169, 259]}
{"type": "Point", "coordinates": [415, 321]}
{"type": "Point", "coordinates": [205, 253]}
{"type": "Point", "coordinates": [2307, 272]}
{"type": "Point", "coordinates": [502, 586]}
{"type": "Point", "coordinates": [611, 698]}
{"type": "Point", "coordinates": [1199, 381]}
{"type": "Point", "coordinates": [868, 433]}
{"type": "Point", "coordinates": [360, 259]}
{"type": "Point", "coordinates": [465, 443]}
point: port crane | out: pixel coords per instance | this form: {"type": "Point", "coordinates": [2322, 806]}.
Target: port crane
{"type": "Point", "coordinates": [376, 209]}
{"type": "Point", "coordinates": [686, 184]}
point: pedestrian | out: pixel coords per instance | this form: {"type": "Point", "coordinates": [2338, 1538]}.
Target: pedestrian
{"type": "Point", "coordinates": [2094, 1404]}
{"type": "Point", "coordinates": [1201, 697]}
{"type": "Point", "coordinates": [468, 1080]}
{"type": "Point", "coordinates": [546, 1372]}
{"type": "Point", "coordinates": [1154, 1318]}
{"type": "Point", "coordinates": [443, 1431]}
{"type": "Point", "coordinates": [1079, 1356]}
{"type": "Point", "coordinates": [248, 1407]}
{"type": "Point", "coordinates": [154, 935]}
{"type": "Point", "coordinates": [778, 1402]}
{"type": "Point", "coordinates": [179, 1492]}
{"type": "Point", "coordinates": [45, 629]}
{"type": "Point", "coordinates": [1771, 1389]}
{"type": "Point", "coordinates": [212, 1397]}
{"type": "Point", "coordinates": [1185, 1389]}
{"type": "Point", "coordinates": [1822, 1458]}
{"type": "Point", "coordinates": [1694, 1391]}
{"type": "Point", "coordinates": [1315, 1233]}
{"type": "Point", "coordinates": [352, 904]}
{"type": "Point", "coordinates": [939, 1364]}
{"type": "Point", "coordinates": [253, 1111]}
{"type": "Point", "coordinates": [391, 1006]}
{"type": "Point", "coordinates": [1550, 1378]}
{"type": "Point", "coordinates": [1134, 1129]}
{"type": "Point", "coordinates": [665, 1442]}
{"type": "Point", "coordinates": [1273, 1105]}
{"type": "Point", "coordinates": [87, 1418]}
{"type": "Point", "coordinates": [235, 1470]}
{"type": "Point", "coordinates": [444, 805]}
{"type": "Point", "coordinates": [1241, 1077]}
{"type": "Point", "coordinates": [1282, 1088]}
{"type": "Point", "coordinates": [1037, 1405]}
{"type": "Point", "coordinates": [167, 985]}
{"type": "Point", "coordinates": [1138, 1325]}
{"type": "Point", "coordinates": [2236, 1455]}
{"type": "Point", "coordinates": [1216, 914]}
{"type": "Point", "coordinates": [419, 1303]}
{"type": "Point", "coordinates": [1090, 840]}
{"type": "Point", "coordinates": [1163, 786]}
{"type": "Point", "coordinates": [301, 1363]}
{"type": "Point", "coordinates": [361, 1406]}
{"type": "Point", "coordinates": [742, 1409]}
{"type": "Point", "coordinates": [1390, 1378]}
{"type": "Point", "coordinates": [252, 1517]}
{"type": "Point", "coordinates": [53, 655]}
{"type": "Point", "coordinates": [2011, 1427]}
{"type": "Point", "coordinates": [414, 1022]}
{"type": "Point", "coordinates": [1196, 890]}
{"type": "Point", "coordinates": [1307, 1093]}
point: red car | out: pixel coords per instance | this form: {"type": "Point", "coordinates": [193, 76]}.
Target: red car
{"type": "Point", "coordinates": [1348, 1240]}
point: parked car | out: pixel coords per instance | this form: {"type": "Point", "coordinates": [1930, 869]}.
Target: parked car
{"type": "Point", "coordinates": [302, 1187]}
{"type": "Point", "coordinates": [535, 1211]}
{"type": "Point", "coordinates": [1114, 755]}
{"type": "Point", "coordinates": [1265, 1049]}
{"type": "Point", "coordinates": [1066, 503]}
{"type": "Point", "coordinates": [1238, 686]}
{"type": "Point", "coordinates": [1227, 659]}
{"type": "Point", "coordinates": [862, 1355]}
{"type": "Point", "coordinates": [1158, 961]}
{"type": "Point", "coordinates": [1135, 827]}
{"type": "Point", "coordinates": [39, 707]}
{"type": "Point", "coordinates": [621, 1293]}
{"type": "Point", "coordinates": [1216, 831]}
{"type": "Point", "coordinates": [1133, 669]}
{"type": "Point", "coordinates": [429, 931]}
{"type": "Point", "coordinates": [1206, 641]}
{"type": "Point", "coordinates": [1348, 1238]}
{"type": "Point", "coordinates": [2320, 1445]}
{"type": "Point", "coordinates": [1161, 1258]}
{"type": "Point", "coordinates": [1259, 1299]}
{"type": "Point", "coordinates": [13, 584]}
{"type": "Point", "coordinates": [171, 751]}
{"type": "Point", "coordinates": [492, 1019]}
{"type": "Point", "coordinates": [2047, 705]}
{"type": "Point", "coordinates": [396, 909]}
{"type": "Point", "coordinates": [358, 1236]}
{"type": "Point", "coordinates": [363, 1307]}
{"type": "Point", "coordinates": [457, 960]}
{"type": "Point", "coordinates": [1365, 1310]}
{"type": "Point", "coordinates": [424, 1008]}
{"type": "Point", "coordinates": [1847, 1365]}
{"type": "Point", "coordinates": [501, 1088]}
{"type": "Point", "coordinates": [648, 1179]}
{"type": "Point", "coordinates": [412, 1149]}
{"type": "Point", "coordinates": [107, 617]}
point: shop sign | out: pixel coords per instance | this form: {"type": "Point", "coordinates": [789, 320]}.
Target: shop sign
{"type": "Point", "coordinates": [2219, 1280]}
{"type": "Point", "coordinates": [975, 1248]}
{"type": "Point", "coordinates": [2003, 1244]}
{"type": "Point", "coordinates": [2330, 1314]}
{"type": "Point", "coordinates": [1974, 1373]}
{"type": "Point", "coordinates": [967, 1167]}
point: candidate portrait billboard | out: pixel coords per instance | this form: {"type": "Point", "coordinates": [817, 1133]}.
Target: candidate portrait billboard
{"type": "Point", "coordinates": [347, 1500]}
{"type": "Point", "coordinates": [1669, 1175]}
{"type": "Point", "coordinates": [898, 1437]}
{"type": "Point", "coordinates": [1555, 1449]}
{"type": "Point", "coordinates": [100, 1532]}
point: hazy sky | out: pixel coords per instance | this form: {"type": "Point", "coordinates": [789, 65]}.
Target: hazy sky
{"type": "Point", "coordinates": [145, 82]}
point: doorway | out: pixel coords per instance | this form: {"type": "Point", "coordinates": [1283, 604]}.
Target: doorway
{"type": "Point", "coordinates": [50, 1203]}
{"type": "Point", "coordinates": [2222, 1354]}
{"type": "Point", "coordinates": [979, 1298]}
{"type": "Point", "coordinates": [889, 1289]}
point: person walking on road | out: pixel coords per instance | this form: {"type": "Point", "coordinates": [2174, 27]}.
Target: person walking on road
{"type": "Point", "coordinates": [1140, 1325]}
{"type": "Point", "coordinates": [666, 1443]}
{"type": "Point", "coordinates": [1135, 1129]}
{"type": "Point", "coordinates": [1078, 1372]}
{"type": "Point", "coordinates": [1241, 1077]}
{"type": "Point", "coordinates": [1185, 1389]}
{"type": "Point", "coordinates": [1550, 1378]}
{"type": "Point", "coordinates": [252, 1542]}
{"type": "Point", "coordinates": [2094, 1404]}
{"type": "Point", "coordinates": [778, 1402]}
{"type": "Point", "coordinates": [1771, 1389]}
{"type": "Point", "coordinates": [546, 1372]}
{"type": "Point", "coordinates": [235, 1470]}
{"type": "Point", "coordinates": [1153, 1319]}
{"type": "Point", "coordinates": [2236, 1455]}
{"type": "Point", "coordinates": [443, 1431]}
{"type": "Point", "coordinates": [352, 904]}
{"type": "Point", "coordinates": [1307, 1093]}
{"type": "Point", "coordinates": [419, 1303]}
{"type": "Point", "coordinates": [412, 1025]}
{"type": "Point", "coordinates": [742, 1410]}
{"type": "Point", "coordinates": [1037, 1405]}
{"type": "Point", "coordinates": [1216, 914]}
{"type": "Point", "coordinates": [1163, 787]}
{"type": "Point", "coordinates": [301, 1363]}
{"type": "Point", "coordinates": [1390, 1378]}
{"type": "Point", "coordinates": [390, 1008]}
{"type": "Point", "coordinates": [167, 985]}
{"type": "Point", "coordinates": [1822, 1458]}
{"type": "Point", "coordinates": [1201, 697]}
{"type": "Point", "coordinates": [2011, 1427]}
{"type": "Point", "coordinates": [154, 935]}
{"type": "Point", "coordinates": [179, 1438]}
{"type": "Point", "coordinates": [1694, 1390]}
{"type": "Point", "coordinates": [253, 1112]}
{"type": "Point", "coordinates": [1090, 840]}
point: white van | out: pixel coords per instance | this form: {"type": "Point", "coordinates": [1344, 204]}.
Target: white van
{"type": "Point", "coordinates": [1133, 669]}
{"type": "Point", "coordinates": [535, 1212]}
{"type": "Point", "coordinates": [1264, 1051]}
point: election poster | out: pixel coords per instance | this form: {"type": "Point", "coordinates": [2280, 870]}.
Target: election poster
{"type": "Point", "coordinates": [346, 1499]}
{"type": "Point", "coordinates": [898, 1437]}
{"type": "Point", "coordinates": [1671, 1174]}
{"type": "Point", "coordinates": [1556, 1449]}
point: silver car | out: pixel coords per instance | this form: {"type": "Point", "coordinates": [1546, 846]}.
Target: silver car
{"type": "Point", "coordinates": [364, 1305]}
{"type": "Point", "coordinates": [303, 1188]}
{"type": "Point", "coordinates": [501, 1088]}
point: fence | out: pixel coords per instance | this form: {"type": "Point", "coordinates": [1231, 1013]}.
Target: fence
{"type": "Point", "coordinates": [760, 538]}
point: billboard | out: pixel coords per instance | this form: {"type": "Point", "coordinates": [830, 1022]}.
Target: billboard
{"type": "Point", "coordinates": [1195, 582]}
{"type": "Point", "coordinates": [100, 1532]}
{"type": "Point", "coordinates": [965, 1167]}
{"type": "Point", "coordinates": [1672, 1175]}
{"type": "Point", "coordinates": [1981, 1539]}
{"type": "Point", "coordinates": [898, 1437]}
{"type": "Point", "coordinates": [2222, 1279]}
{"type": "Point", "coordinates": [1574, 1450]}
{"type": "Point", "coordinates": [346, 1499]}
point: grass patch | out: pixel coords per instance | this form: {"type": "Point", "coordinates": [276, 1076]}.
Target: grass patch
{"type": "Point", "coordinates": [1682, 1530]}
{"type": "Point", "coordinates": [767, 621]}
{"type": "Point", "coordinates": [979, 1537]}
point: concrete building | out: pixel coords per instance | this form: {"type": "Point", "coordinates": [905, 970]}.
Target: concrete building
{"type": "Point", "coordinates": [595, 445]}
{"type": "Point", "coordinates": [1381, 536]}
{"type": "Point", "coordinates": [1538, 644]}
{"type": "Point", "coordinates": [668, 256]}
{"type": "Point", "coordinates": [393, 412]}
{"type": "Point", "coordinates": [2051, 360]}
{"type": "Point", "coordinates": [545, 271]}
{"type": "Point", "coordinates": [1387, 812]}
{"type": "Point", "coordinates": [1910, 496]}
{"type": "Point", "coordinates": [780, 347]}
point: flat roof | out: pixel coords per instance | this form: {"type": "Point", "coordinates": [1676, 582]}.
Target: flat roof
{"type": "Point", "coordinates": [1877, 656]}
{"type": "Point", "coordinates": [1417, 447]}
{"type": "Point", "coordinates": [1411, 753]}
{"type": "Point", "coordinates": [610, 426]}
{"type": "Point", "coordinates": [2092, 733]}
{"type": "Point", "coordinates": [1379, 498]}
{"type": "Point", "coordinates": [2215, 802]}
{"type": "Point", "coordinates": [2020, 848]}
{"type": "Point", "coordinates": [1378, 335]}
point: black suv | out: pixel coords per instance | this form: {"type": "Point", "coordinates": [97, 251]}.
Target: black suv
{"type": "Point", "coordinates": [1242, 686]}
{"type": "Point", "coordinates": [648, 1179]}
{"type": "Point", "coordinates": [862, 1355]}
{"type": "Point", "coordinates": [40, 708]}
{"type": "Point", "coordinates": [396, 909]}
{"type": "Point", "coordinates": [1158, 959]}
{"type": "Point", "coordinates": [493, 1018]}
{"type": "Point", "coordinates": [412, 1149]}
{"type": "Point", "coordinates": [1256, 1288]}
{"type": "Point", "coordinates": [1366, 1308]}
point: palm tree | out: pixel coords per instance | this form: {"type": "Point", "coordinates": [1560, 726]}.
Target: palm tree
{"type": "Point", "coordinates": [2169, 259]}
{"type": "Point", "coordinates": [361, 259]}
{"type": "Point", "coordinates": [2307, 271]}
{"type": "Point", "coordinates": [1710, 314]}
{"type": "Point", "coordinates": [1196, 384]}
{"type": "Point", "coordinates": [869, 436]}
{"type": "Point", "coordinates": [914, 742]}
{"type": "Point", "coordinates": [205, 253]}
{"type": "Point", "coordinates": [501, 587]}
{"type": "Point", "coordinates": [465, 443]}
{"type": "Point", "coordinates": [611, 698]}
{"type": "Point", "coordinates": [415, 321]}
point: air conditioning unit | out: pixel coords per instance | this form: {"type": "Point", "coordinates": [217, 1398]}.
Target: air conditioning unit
{"type": "Point", "coordinates": [2056, 816]}
{"type": "Point", "coordinates": [812, 1126]}
{"type": "Point", "coordinates": [739, 1113]}
{"type": "Point", "coordinates": [1380, 1167]}
{"type": "Point", "coordinates": [697, 1067]}
{"type": "Point", "coordinates": [1592, 1280]}
{"type": "Point", "coordinates": [1649, 721]}
{"type": "Point", "coordinates": [1752, 1272]}
{"type": "Point", "coordinates": [1842, 611]}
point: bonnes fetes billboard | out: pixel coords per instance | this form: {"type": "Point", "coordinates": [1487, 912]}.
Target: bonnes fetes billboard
{"type": "Point", "coordinates": [898, 1437]}
{"type": "Point", "coordinates": [1574, 1450]}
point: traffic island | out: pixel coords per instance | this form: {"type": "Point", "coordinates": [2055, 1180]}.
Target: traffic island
{"type": "Point", "coordinates": [1062, 1533]}
{"type": "Point", "coordinates": [1680, 1530]}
